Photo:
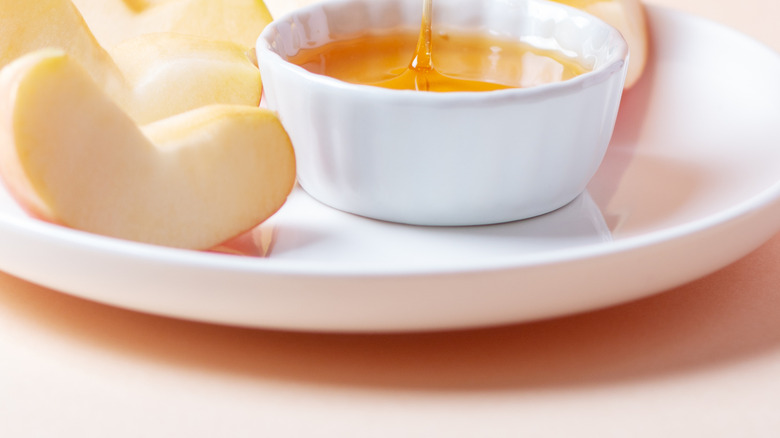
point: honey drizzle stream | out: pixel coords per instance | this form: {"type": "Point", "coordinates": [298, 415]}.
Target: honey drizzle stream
{"type": "Point", "coordinates": [421, 75]}
{"type": "Point", "coordinates": [421, 63]}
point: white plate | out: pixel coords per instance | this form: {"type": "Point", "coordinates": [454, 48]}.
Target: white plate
{"type": "Point", "coordinates": [691, 183]}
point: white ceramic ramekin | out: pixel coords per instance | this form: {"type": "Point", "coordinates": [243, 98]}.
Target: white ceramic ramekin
{"type": "Point", "coordinates": [464, 158]}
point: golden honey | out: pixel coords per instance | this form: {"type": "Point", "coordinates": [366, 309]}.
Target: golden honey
{"type": "Point", "coordinates": [463, 62]}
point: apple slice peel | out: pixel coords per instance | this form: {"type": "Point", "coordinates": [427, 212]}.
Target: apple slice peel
{"type": "Point", "coordinates": [70, 155]}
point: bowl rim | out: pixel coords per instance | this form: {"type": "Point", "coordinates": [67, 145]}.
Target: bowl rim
{"type": "Point", "coordinates": [265, 53]}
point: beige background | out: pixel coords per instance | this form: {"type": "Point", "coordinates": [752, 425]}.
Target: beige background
{"type": "Point", "coordinates": [701, 360]}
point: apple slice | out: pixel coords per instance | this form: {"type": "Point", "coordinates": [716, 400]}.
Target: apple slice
{"type": "Point", "coordinates": [150, 77]}
{"type": "Point", "coordinates": [70, 155]}
{"type": "Point", "coordinates": [28, 26]}
{"type": "Point", "coordinates": [627, 16]}
{"type": "Point", "coordinates": [170, 73]}
{"type": "Point", "coordinates": [238, 21]}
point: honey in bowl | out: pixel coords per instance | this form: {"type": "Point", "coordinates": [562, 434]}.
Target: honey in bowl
{"type": "Point", "coordinates": [444, 159]}
{"type": "Point", "coordinates": [463, 61]}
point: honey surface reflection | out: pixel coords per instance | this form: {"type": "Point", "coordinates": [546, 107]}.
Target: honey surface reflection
{"type": "Point", "coordinates": [463, 62]}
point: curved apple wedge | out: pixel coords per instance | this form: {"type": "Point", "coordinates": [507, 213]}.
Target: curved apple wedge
{"type": "Point", "coordinates": [172, 73]}
{"type": "Point", "coordinates": [70, 155]}
{"type": "Point", "coordinates": [627, 16]}
{"type": "Point", "coordinates": [114, 21]}
{"type": "Point", "coordinates": [151, 76]}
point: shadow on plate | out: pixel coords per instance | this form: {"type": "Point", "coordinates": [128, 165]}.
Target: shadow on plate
{"type": "Point", "coordinates": [700, 325]}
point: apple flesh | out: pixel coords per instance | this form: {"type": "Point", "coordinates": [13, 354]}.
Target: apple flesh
{"type": "Point", "coordinates": [32, 25]}
{"type": "Point", "coordinates": [114, 21]}
{"type": "Point", "coordinates": [170, 73]}
{"type": "Point", "coordinates": [70, 155]}
{"type": "Point", "coordinates": [151, 77]}
{"type": "Point", "coordinates": [627, 16]}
